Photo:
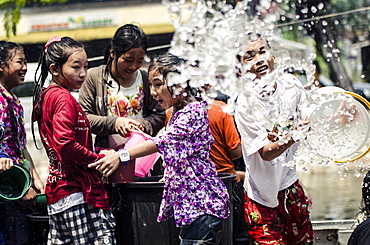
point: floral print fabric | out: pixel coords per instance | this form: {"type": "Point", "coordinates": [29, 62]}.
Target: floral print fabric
{"type": "Point", "coordinates": [12, 146]}
{"type": "Point", "coordinates": [192, 187]}
{"type": "Point", "coordinates": [126, 102]}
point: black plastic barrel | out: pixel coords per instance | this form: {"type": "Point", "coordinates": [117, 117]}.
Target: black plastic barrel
{"type": "Point", "coordinates": [38, 228]}
{"type": "Point", "coordinates": [136, 206]}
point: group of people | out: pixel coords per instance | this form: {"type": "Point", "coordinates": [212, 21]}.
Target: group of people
{"type": "Point", "coordinates": [199, 141]}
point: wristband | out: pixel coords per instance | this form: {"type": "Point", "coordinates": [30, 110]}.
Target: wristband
{"type": "Point", "coordinates": [124, 156]}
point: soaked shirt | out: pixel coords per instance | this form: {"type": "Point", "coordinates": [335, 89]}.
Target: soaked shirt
{"type": "Point", "coordinates": [192, 187]}
{"type": "Point", "coordinates": [14, 130]}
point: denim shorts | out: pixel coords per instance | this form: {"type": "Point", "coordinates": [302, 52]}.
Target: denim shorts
{"type": "Point", "coordinates": [207, 229]}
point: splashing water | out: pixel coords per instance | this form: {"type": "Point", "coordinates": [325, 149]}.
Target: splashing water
{"type": "Point", "coordinates": [210, 36]}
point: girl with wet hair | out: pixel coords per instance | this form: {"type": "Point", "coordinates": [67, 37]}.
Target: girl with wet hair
{"type": "Point", "coordinates": [13, 68]}
{"type": "Point", "coordinates": [193, 193]}
{"type": "Point", "coordinates": [361, 235]}
{"type": "Point", "coordinates": [77, 201]}
{"type": "Point", "coordinates": [116, 95]}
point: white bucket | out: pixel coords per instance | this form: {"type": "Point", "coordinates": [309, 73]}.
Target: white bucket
{"type": "Point", "coordinates": [339, 125]}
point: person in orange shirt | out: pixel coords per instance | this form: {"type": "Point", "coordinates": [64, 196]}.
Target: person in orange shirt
{"type": "Point", "coordinates": [226, 149]}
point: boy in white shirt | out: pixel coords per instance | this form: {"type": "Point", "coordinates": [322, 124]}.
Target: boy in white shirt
{"type": "Point", "coordinates": [276, 207]}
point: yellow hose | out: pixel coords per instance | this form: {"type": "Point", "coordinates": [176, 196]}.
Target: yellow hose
{"type": "Point", "coordinates": [367, 103]}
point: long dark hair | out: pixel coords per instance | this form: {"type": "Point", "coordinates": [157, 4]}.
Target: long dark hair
{"type": "Point", "coordinates": [57, 52]}
{"type": "Point", "coordinates": [366, 194]}
{"type": "Point", "coordinates": [127, 37]}
{"type": "Point", "coordinates": [7, 51]}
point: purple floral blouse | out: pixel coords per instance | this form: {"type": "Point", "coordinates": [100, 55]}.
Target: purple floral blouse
{"type": "Point", "coordinates": [192, 187]}
{"type": "Point", "coordinates": [12, 145]}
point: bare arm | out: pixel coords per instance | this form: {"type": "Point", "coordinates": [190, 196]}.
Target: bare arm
{"type": "Point", "coordinates": [146, 148]}
{"type": "Point", "coordinates": [29, 200]}
{"type": "Point", "coordinates": [236, 153]}
{"type": "Point", "coordinates": [307, 194]}
{"type": "Point", "coordinates": [111, 161]}
{"type": "Point", "coordinates": [272, 150]}
{"type": "Point", "coordinates": [37, 183]}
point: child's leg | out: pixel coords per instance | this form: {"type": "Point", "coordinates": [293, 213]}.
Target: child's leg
{"type": "Point", "coordinates": [3, 230]}
{"type": "Point", "coordinates": [263, 224]}
{"type": "Point", "coordinates": [294, 215]}
{"type": "Point", "coordinates": [82, 224]}
{"type": "Point", "coordinates": [240, 229]}
{"type": "Point", "coordinates": [207, 229]}
{"type": "Point", "coordinates": [17, 223]}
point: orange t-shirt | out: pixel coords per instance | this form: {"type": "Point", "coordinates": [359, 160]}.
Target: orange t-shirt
{"type": "Point", "coordinates": [226, 136]}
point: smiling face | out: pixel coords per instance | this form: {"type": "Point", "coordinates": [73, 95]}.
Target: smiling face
{"type": "Point", "coordinates": [127, 63]}
{"type": "Point", "coordinates": [258, 56]}
{"type": "Point", "coordinates": [14, 71]}
{"type": "Point", "coordinates": [73, 73]}
{"type": "Point", "coordinates": [159, 90]}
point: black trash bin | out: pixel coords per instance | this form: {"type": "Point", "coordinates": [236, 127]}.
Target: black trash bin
{"type": "Point", "coordinates": [136, 205]}
{"type": "Point", "coordinates": [38, 228]}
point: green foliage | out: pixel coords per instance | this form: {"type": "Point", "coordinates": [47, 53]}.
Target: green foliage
{"type": "Point", "coordinates": [12, 14]}
{"type": "Point", "coordinates": [47, 2]}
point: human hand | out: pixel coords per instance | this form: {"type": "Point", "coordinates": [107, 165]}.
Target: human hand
{"type": "Point", "coordinates": [29, 200]}
{"type": "Point", "coordinates": [106, 152]}
{"type": "Point", "coordinates": [124, 125]}
{"type": "Point", "coordinates": [308, 195]}
{"type": "Point", "coordinates": [347, 112]}
{"type": "Point", "coordinates": [5, 164]}
{"type": "Point", "coordinates": [310, 200]}
{"type": "Point", "coordinates": [108, 164]}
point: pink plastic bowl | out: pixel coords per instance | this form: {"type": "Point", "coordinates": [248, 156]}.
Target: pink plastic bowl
{"type": "Point", "coordinates": [142, 164]}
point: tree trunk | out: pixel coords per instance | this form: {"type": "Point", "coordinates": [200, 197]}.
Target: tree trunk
{"type": "Point", "coordinates": [327, 48]}
{"type": "Point", "coordinates": [323, 32]}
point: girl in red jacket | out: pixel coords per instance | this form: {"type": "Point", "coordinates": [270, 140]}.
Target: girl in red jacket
{"type": "Point", "coordinates": [76, 199]}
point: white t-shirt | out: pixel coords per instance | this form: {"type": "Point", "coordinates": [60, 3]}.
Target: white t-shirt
{"type": "Point", "coordinates": [263, 179]}
{"type": "Point", "coordinates": [126, 102]}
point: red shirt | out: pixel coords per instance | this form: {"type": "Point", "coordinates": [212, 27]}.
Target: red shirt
{"type": "Point", "coordinates": [66, 135]}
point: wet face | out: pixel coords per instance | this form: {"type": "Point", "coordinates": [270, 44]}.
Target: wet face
{"type": "Point", "coordinates": [159, 90]}
{"type": "Point", "coordinates": [127, 63]}
{"type": "Point", "coordinates": [258, 57]}
{"type": "Point", "coordinates": [73, 72]}
{"type": "Point", "coordinates": [14, 71]}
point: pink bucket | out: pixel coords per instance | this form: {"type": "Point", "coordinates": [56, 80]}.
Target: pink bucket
{"type": "Point", "coordinates": [142, 164]}
{"type": "Point", "coordinates": [139, 166]}
{"type": "Point", "coordinates": [123, 174]}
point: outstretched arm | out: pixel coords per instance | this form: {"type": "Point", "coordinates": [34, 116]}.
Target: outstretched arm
{"type": "Point", "coordinates": [111, 161]}
{"type": "Point", "coordinates": [272, 150]}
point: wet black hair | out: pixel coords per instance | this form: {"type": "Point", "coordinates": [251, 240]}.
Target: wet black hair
{"type": "Point", "coordinates": [253, 37]}
{"type": "Point", "coordinates": [127, 37]}
{"type": "Point", "coordinates": [366, 194]}
{"type": "Point", "coordinates": [7, 51]}
{"type": "Point", "coordinates": [165, 64]}
{"type": "Point", "coordinates": [317, 65]}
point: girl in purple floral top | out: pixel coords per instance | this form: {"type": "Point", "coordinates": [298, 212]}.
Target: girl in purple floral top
{"type": "Point", "coordinates": [193, 193]}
